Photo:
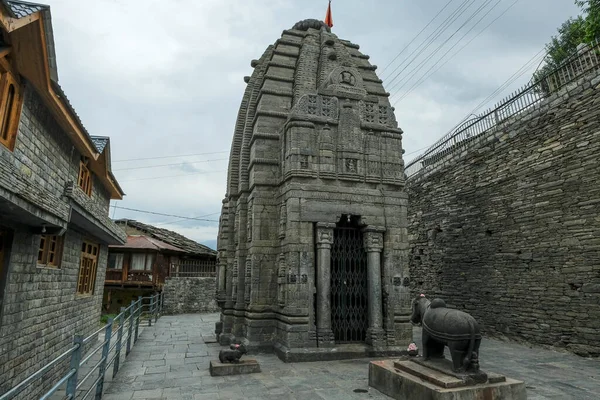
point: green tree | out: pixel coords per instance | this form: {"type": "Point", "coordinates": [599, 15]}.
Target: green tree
{"type": "Point", "coordinates": [581, 29]}
{"type": "Point", "coordinates": [592, 20]}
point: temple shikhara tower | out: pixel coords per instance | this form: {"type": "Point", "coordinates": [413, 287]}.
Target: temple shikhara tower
{"type": "Point", "coordinates": [313, 233]}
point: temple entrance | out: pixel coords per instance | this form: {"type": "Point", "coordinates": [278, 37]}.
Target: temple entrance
{"type": "Point", "coordinates": [349, 294]}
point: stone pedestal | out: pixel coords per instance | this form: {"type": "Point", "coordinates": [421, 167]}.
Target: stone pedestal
{"type": "Point", "coordinates": [408, 380]}
{"type": "Point", "coordinates": [247, 366]}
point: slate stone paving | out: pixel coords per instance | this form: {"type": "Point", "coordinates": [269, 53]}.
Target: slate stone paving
{"type": "Point", "coordinates": [171, 359]}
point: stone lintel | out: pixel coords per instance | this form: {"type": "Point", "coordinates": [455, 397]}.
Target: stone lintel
{"type": "Point", "coordinates": [247, 366]}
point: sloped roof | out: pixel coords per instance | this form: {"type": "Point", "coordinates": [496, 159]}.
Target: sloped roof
{"type": "Point", "coordinates": [167, 236]}
{"type": "Point", "coordinates": [100, 142]}
{"type": "Point", "coordinates": [146, 242]}
{"type": "Point", "coordinates": [21, 9]}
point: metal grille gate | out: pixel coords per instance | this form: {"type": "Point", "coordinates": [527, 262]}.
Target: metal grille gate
{"type": "Point", "coordinates": [349, 295]}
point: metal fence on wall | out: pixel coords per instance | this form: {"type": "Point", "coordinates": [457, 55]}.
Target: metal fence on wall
{"type": "Point", "coordinates": [120, 334]}
{"type": "Point", "coordinates": [194, 268]}
{"type": "Point", "coordinates": [584, 61]}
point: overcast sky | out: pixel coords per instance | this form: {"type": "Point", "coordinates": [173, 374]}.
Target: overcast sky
{"type": "Point", "coordinates": [165, 78]}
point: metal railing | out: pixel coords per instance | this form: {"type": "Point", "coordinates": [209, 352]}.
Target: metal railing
{"type": "Point", "coordinates": [127, 320]}
{"type": "Point", "coordinates": [194, 268]}
{"type": "Point", "coordinates": [526, 99]}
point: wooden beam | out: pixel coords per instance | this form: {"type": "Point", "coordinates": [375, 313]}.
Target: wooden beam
{"type": "Point", "coordinates": [11, 24]}
{"type": "Point", "coordinates": [4, 51]}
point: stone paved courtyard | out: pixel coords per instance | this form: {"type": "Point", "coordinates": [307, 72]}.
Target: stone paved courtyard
{"type": "Point", "coordinates": [171, 358]}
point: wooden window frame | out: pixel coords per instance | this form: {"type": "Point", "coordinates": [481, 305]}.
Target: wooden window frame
{"type": "Point", "coordinates": [50, 251]}
{"type": "Point", "coordinates": [85, 180]}
{"type": "Point", "coordinates": [88, 268]}
{"type": "Point", "coordinates": [153, 255]}
{"type": "Point", "coordinates": [122, 261]}
{"type": "Point", "coordinates": [9, 117]}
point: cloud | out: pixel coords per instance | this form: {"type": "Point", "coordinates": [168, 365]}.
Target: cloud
{"type": "Point", "coordinates": [165, 78]}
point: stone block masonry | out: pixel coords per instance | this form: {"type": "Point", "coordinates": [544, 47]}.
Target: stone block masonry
{"type": "Point", "coordinates": [190, 295]}
{"type": "Point", "coordinates": [42, 311]}
{"type": "Point", "coordinates": [509, 230]}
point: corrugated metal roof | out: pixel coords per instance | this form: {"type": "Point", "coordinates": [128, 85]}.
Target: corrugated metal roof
{"type": "Point", "coordinates": [22, 9]}
{"type": "Point", "coordinates": [100, 142]}
{"type": "Point", "coordinates": [146, 242]}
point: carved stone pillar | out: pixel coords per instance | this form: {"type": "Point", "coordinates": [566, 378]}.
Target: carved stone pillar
{"type": "Point", "coordinates": [221, 294]}
{"type": "Point", "coordinates": [373, 240]}
{"type": "Point", "coordinates": [324, 242]}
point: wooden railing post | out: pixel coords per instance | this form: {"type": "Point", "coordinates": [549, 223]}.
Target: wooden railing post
{"type": "Point", "coordinates": [137, 320]}
{"type": "Point", "coordinates": [74, 365]}
{"type": "Point", "coordinates": [119, 342]}
{"type": "Point", "coordinates": [131, 318]}
{"type": "Point", "coordinates": [102, 368]}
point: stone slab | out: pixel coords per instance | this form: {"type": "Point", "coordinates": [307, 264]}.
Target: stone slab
{"type": "Point", "coordinates": [444, 369]}
{"type": "Point", "coordinates": [209, 339]}
{"type": "Point", "coordinates": [339, 352]}
{"type": "Point", "coordinates": [402, 385]}
{"type": "Point", "coordinates": [247, 366]}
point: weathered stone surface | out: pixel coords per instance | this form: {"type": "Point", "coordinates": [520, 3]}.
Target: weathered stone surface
{"type": "Point", "coordinates": [419, 384]}
{"type": "Point", "coordinates": [508, 230]}
{"type": "Point", "coordinates": [189, 295]}
{"type": "Point", "coordinates": [316, 142]}
{"type": "Point", "coordinates": [40, 309]}
{"type": "Point", "coordinates": [245, 366]}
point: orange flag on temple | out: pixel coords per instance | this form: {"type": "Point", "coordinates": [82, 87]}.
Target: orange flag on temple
{"type": "Point", "coordinates": [328, 18]}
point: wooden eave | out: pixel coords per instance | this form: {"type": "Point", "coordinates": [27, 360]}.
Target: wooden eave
{"type": "Point", "coordinates": [28, 44]}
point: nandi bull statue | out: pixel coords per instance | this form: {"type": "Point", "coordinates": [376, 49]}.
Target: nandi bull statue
{"type": "Point", "coordinates": [448, 327]}
{"type": "Point", "coordinates": [233, 354]}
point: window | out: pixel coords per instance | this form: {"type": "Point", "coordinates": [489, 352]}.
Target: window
{"type": "Point", "coordinates": [10, 109]}
{"type": "Point", "coordinates": [115, 261]}
{"type": "Point", "coordinates": [87, 268]}
{"type": "Point", "coordinates": [85, 177]}
{"type": "Point", "coordinates": [50, 252]}
{"type": "Point", "coordinates": [142, 262]}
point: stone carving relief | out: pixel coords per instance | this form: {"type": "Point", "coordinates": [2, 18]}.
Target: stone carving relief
{"type": "Point", "coordinates": [250, 220]}
{"type": "Point", "coordinates": [304, 162]}
{"type": "Point", "coordinates": [282, 220]}
{"type": "Point", "coordinates": [373, 167]}
{"type": "Point", "coordinates": [345, 81]}
{"type": "Point", "coordinates": [281, 282]}
{"type": "Point", "coordinates": [373, 241]}
{"type": "Point", "coordinates": [351, 166]}
{"type": "Point", "coordinates": [347, 78]}
{"type": "Point", "coordinates": [248, 280]}
{"type": "Point", "coordinates": [235, 279]}
{"type": "Point", "coordinates": [392, 170]}
{"type": "Point", "coordinates": [317, 105]}
{"type": "Point", "coordinates": [376, 113]}
{"type": "Point", "coordinates": [325, 236]}
{"type": "Point", "coordinates": [236, 227]}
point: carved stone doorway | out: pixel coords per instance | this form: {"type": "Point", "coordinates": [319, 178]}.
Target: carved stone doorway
{"type": "Point", "coordinates": [349, 293]}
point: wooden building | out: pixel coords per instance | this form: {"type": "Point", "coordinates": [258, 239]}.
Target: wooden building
{"type": "Point", "coordinates": [140, 266]}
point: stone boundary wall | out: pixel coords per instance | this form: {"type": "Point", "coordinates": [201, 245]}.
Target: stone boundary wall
{"type": "Point", "coordinates": [190, 295]}
{"type": "Point", "coordinates": [508, 228]}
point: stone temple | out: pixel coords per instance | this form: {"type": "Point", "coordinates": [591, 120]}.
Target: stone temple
{"type": "Point", "coordinates": [313, 232]}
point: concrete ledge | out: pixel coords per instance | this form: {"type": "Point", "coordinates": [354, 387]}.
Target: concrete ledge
{"type": "Point", "coordinates": [247, 366]}
{"type": "Point", "coordinates": [401, 385]}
